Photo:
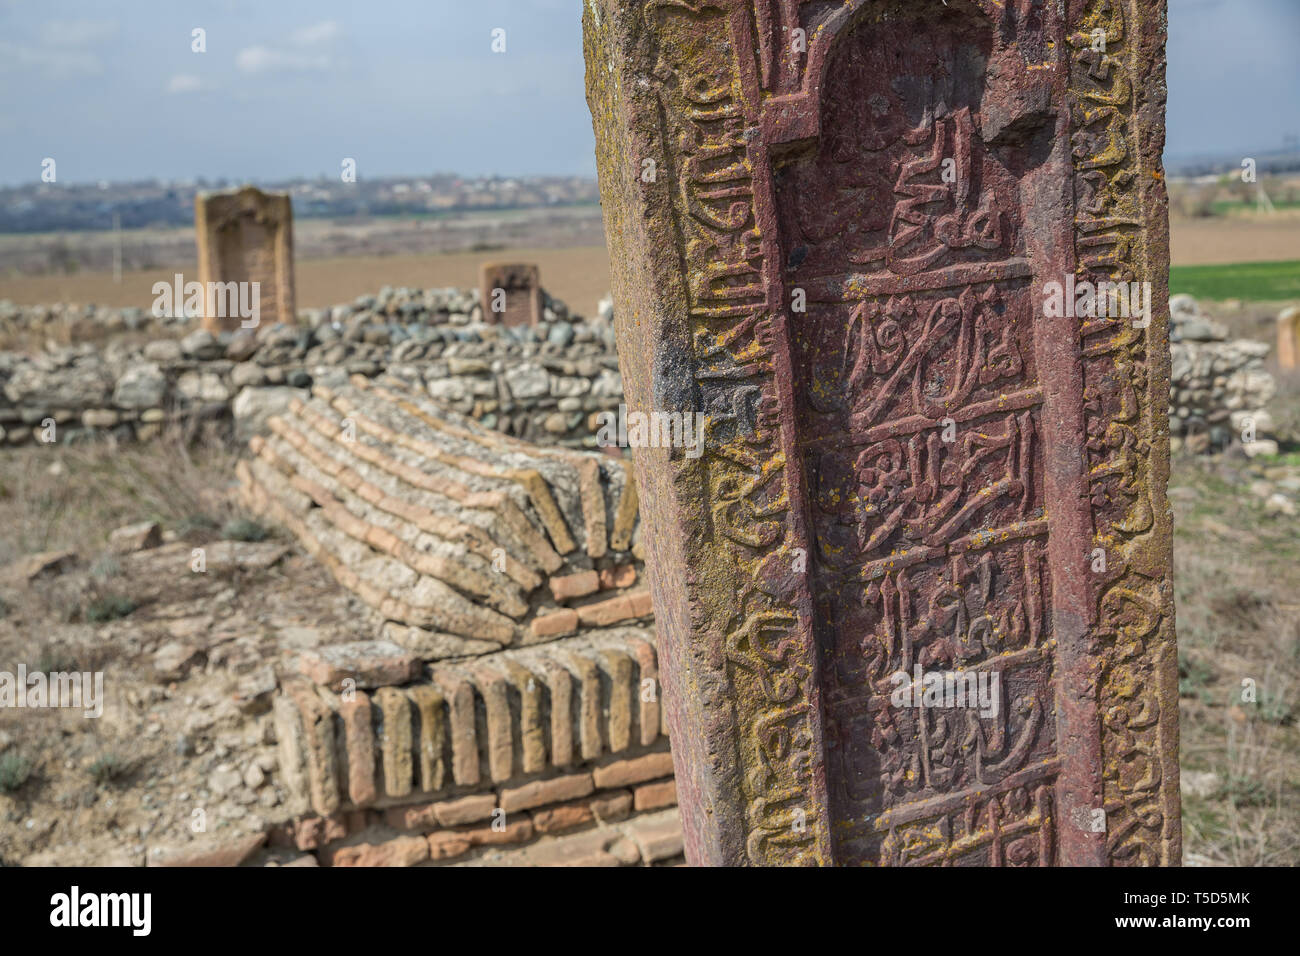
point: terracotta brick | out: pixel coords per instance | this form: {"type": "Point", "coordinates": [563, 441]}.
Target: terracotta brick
{"type": "Point", "coordinates": [494, 690]}
{"type": "Point", "coordinates": [642, 604]}
{"type": "Point", "coordinates": [530, 692]}
{"type": "Point", "coordinates": [359, 748]}
{"type": "Point", "coordinates": [659, 837]}
{"type": "Point", "coordinates": [637, 770]}
{"type": "Point", "coordinates": [622, 576]}
{"type": "Point", "coordinates": [648, 718]}
{"type": "Point", "coordinates": [317, 723]}
{"type": "Point", "coordinates": [312, 832]}
{"type": "Point", "coordinates": [590, 707]}
{"type": "Point", "coordinates": [653, 796]}
{"type": "Point", "coordinates": [560, 684]}
{"type": "Point", "coordinates": [449, 843]}
{"type": "Point", "coordinates": [459, 694]}
{"type": "Point", "coordinates": [400, 851]}
{"type": "Point", "coordinates": [625, 851]}
{"type": "Point", "coordinates": [611, 805]}
{"type": "Point", "coordinates": [395, 742]}
{"type": "Point", "coordinates": [618, 665]}
{"type": "Point", "coordinates": [565, 816]}
{"type": "Point", "coordinates": [541, 792]}
{"type": "Point", "coordinates": [582, 849]}
{"type": "Point", "coordinates": [446, 844]}
{"type": "Point", "coordinates": [417, 817]}
{"type": "Point", "coordinates": [555, 624]}
{"type": "Point", "coordinates": [571, 586]}
{"type": "Point", "coordinates": [604, 613]}
{"type": "Point", "coordinates": [429, 706]}
{"type": "Point", "coordinates": [368, 663]}
{"type": "Point", "coordinates": [471, 809]}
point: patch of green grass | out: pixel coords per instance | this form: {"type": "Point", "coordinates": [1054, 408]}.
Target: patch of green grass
{"type": "Point", "coordinates": [195, 522]}
{"type": "Point", "coordinates": [242, 529]}
{"type": "Point", "coordinates": [1248, 281]}
{"type": "Point", "coordinates": [106, 566]}
{"type": "Point", "coordinates": [1229, 206]}
{"type": "Point", "coordinates": [1288, 458]}
{"type": "Point", "coordinates": [1247, 791]}
{"type": "Point", "coordinates": [109, 608]}
{"type": "Point", "coordinates": [55, 659]}
{"type": "Point", "coordinates": [14, 772]}
{"type": "Point", "coordinates": [1194, 677]}
{"type": "Point", "coordinates": [108, 768]}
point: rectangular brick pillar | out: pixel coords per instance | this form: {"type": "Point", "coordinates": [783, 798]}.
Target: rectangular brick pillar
{"type": "Point", "coordinates": [858, 238]}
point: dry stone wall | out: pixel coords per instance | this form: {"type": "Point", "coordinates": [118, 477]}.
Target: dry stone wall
{"type": "Point", "coordinates": [1218, 384]}
{"type": "Point", "coordinates": [540, 382]}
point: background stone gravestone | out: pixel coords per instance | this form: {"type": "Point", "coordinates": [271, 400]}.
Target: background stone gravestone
{"type": "Point", "coordinates": [511, 293]}
{"type": "Point", "coordinates": [1288, 339]}
{"type": "Point", "coordinates": [831, 228]}
{"type": "Point", "coordinates": [247, 236]}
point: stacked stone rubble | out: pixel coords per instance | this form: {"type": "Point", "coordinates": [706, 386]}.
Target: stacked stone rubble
{"type": "Point", "coordinates": [1219, 388]}
{"type": "Point", "coordinates": [543, 382]}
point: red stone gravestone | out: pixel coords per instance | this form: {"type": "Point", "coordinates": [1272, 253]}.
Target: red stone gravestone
{"type": "Point", "coordinates": [914, 599]}
{"type": "Point", "coordinates": [510, 293]}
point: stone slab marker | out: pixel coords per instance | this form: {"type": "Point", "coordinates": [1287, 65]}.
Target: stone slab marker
{"type": "Point", "coordinates": [247, 236]}
{"type": "Point", "coordinates": [511, 293]}
{"type": "Point", "coordinates": [1288, 339]}
{"type": "Point", "coordinates": [832, 226]}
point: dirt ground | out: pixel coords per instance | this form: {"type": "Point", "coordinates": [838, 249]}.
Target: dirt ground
{"type": "Point", "coordinates": [1224, 240]}
{"type": "Point", "coordinates": [578, 274]}
{"type": "Point", "coordinates": [181, 733]}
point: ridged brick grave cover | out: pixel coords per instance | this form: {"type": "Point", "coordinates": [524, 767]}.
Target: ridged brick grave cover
{"type": "Point", "coordinates": [514, 569]}
{"type": "Point", "coordinates": [465, 541]}
{"type": "Point", "coordinates": [832, 230]}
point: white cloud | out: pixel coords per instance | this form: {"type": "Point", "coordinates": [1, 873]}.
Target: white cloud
{"type": "Point", "coordinates": [312, 50]}
{"type": "Point", "coordinates": [185, 83]}
{"type": "Point", "coordinates": [15, 57]}
{"type": "Point", "coordinates": [77, 33]}
{"type": "Point", "coordinates": [316, 34]}
{"type": "Point", "coordinates": [261, 59]}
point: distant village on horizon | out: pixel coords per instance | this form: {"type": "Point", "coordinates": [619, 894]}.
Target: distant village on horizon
{"type": "Point", "coordinates": [160, 202]}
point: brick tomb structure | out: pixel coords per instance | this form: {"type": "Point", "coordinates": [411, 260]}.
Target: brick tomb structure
{"type": "Point", "coordinates": [508, 709]}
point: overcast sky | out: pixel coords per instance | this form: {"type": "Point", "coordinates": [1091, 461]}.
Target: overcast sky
{"type": "Point", "coordinates": [289, 88]}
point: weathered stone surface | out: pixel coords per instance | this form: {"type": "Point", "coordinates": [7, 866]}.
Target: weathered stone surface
{"type": "Point", "coordinates": [247, 236]}
{"type": "Point", "coordinates": [510, 293]}
{"type": "Point", "coordinates": [367, 663]}
{"type": "Point", "coordinates": [141, 386]}
{"type": "Point", "coordinates": [1288, 338]}
{"type": "Point", "coordinates": [832, 227]}
{"type": "Point", "coordinates": [231, 851]}
{"type": "Point", "coordinates": [135, 537]}
{"type": "Point", "coordinates": [32, 566]}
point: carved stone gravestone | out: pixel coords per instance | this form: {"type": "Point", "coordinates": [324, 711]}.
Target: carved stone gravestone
{"type": "Point", "coordinates": [245, 236]}
{"type": "Point", "coordinates": [511, 293]}
{"type": "Point", "coordinates": [914, 600]}
{"type": "Point", "coordinates": [1288, 339]}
